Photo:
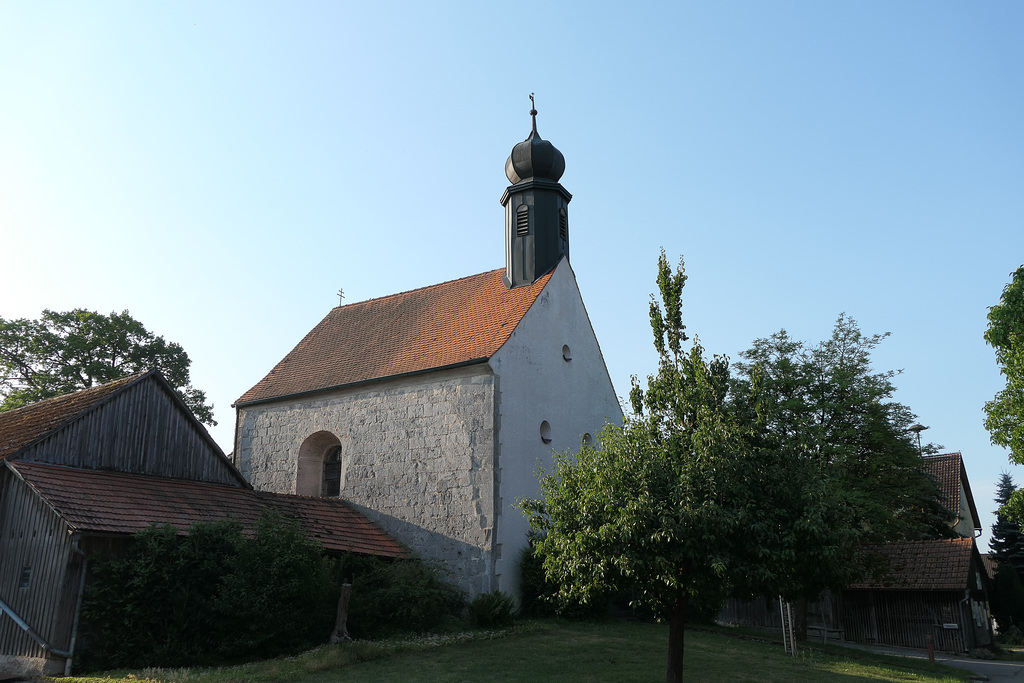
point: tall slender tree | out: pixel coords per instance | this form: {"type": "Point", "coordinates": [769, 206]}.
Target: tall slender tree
{"type": "Point", "coordinates": [1007, 542]}
{"type": "Point", "coordinates": [1007, 545]}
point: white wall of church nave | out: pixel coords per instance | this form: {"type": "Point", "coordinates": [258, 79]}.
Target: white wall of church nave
{"type": "Point", "coordinates": [536, 385]}
{"type": "Point", "coordinates": [417, 458]}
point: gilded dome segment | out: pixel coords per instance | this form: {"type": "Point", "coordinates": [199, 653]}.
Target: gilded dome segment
{"type": "Point", "coordinates": [534, 157]}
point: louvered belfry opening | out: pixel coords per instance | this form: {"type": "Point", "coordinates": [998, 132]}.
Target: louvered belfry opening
{"type": "Point", "coordinates": [522, 220]}
{"type": "Point", "coordinates": [536, 210]}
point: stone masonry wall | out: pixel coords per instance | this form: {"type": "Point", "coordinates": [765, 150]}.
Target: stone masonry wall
{"type": "Point", "coordinates": [417, 458]}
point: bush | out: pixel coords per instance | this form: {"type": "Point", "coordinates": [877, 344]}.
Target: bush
{"type": "Point", "coordinates": [1011, 635]}
{"type": "Point", "coordinates": [173, 600]}
{"type": "Point", "coordinates": [280, 594]}
{"type": "Point", "coordinates": [1007, 597]}
{"type": "Point", "coordinates": [401, 596]}
{"type": "Point", "coordinates": [489, 610]}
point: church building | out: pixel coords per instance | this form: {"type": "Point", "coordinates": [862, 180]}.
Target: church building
{"type": "Point", "coordinates": [431, 410]}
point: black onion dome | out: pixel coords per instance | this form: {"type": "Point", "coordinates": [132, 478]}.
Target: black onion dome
{"type": "Point", "coordinates": [534, 157]}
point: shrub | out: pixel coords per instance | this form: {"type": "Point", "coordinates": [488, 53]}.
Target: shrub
{"type": "Point", "coordinates": [489, 610]}
{"type": "Point", "coordinates": [173, 600]}
{"type": "Point", "coordinates": [279, 595]}
{"type": "Point", "coordinates": [401, 596]}
{"type": "Point", "coordinates": [1011, 635]}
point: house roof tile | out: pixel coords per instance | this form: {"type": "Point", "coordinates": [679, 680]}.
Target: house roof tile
{"type": "Point", "coordinates": [107, 502]}
{"type": "Point", "coordinates": [936, 565]}
{"type": "Point", "coordinates": [447, 324]}
{"type": "Point", "coordinates": [23, 426]}
{"type": "Point", "coordinates": [950, 473]}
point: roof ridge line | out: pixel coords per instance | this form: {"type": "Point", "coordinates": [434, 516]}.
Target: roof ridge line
{"type": "Point", "coordinates": [417, 289]}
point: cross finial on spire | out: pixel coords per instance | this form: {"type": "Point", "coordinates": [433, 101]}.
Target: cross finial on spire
{"type": "Point", "coordinates": [533, 112]}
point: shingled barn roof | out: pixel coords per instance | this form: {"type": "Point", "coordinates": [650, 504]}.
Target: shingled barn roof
{"type": "Point", "coordinates": [950, 473]}
{"type": "Point", "coordinates": [106, 502]}
{"type": "Point", "coordinates": [450, 324]}
{"type": "Point", "coordinates": [23, 426]}
{"type": "Point", "coordinates": [938, 565]}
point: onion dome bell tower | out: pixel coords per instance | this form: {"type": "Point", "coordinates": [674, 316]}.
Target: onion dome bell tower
{"type": "Point", "coordinates": [536, 210]}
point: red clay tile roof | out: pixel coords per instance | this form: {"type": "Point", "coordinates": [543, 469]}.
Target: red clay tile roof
{"type": "Point", "coordinates": [949, 472]}
{"type": "Point", "coordinates": [433, 327]}
{"type": "Point", "coordinates": [23, 426]}
{"type": "Point", "coordinates": [991, 565]}
{"type": "Point", "coordinates": [937, 565]}
{"type": "Point", "coordinates": [119, 503]}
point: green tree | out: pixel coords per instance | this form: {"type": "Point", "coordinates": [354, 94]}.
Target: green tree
{"type": "Point", "coordinates": [1004, 414]}
{"type": "Point", "coordinates": [1007, 545]}
{"type": "Point", "coordinates": [62, 352]}
{"type": "Point", "coordinates": [680, 503]}
{"type": "Point", "coordinates": [826, 402]}
{"type": "Point", "coordinates": [1007, 542]}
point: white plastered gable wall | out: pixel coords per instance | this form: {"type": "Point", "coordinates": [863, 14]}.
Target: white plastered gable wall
{"type": "Point", "coordinates": [536, 384]}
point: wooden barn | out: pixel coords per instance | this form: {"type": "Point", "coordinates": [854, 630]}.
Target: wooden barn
{"type": "Point", "coordinates": [935, 587]}
{"type": "Point", "coordinates": [83, 472]}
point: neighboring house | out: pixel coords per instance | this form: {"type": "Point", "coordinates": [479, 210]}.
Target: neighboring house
{"type": "Point", "coordinates": [430, 410]}
{"type": "Point", "coordinates": [951, 475]}
{"type": "Point", "coordinates": [83, 472]}
{"type": "Point", "coordinates": [937, 587]}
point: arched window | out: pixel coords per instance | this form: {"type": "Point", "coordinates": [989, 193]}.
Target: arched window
{"type": "Point", "coordinates": [313, 473]}
{"type": "Point", "coordinates": [330, 486]}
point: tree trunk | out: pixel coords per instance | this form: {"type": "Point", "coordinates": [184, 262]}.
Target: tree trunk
{"type": "Point", "coordinates": [675, 638]}
{"type": "Point", "coordinates": [340, 634]}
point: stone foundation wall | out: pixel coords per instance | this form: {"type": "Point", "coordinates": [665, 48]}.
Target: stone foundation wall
{"type": "Point", "coordinates": [417, 458]}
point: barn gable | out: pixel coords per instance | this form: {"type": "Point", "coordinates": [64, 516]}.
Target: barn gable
{"type": "Point", "coordinates": [136, 424]}
{"type": "Point", "coordinates": [84, 472]}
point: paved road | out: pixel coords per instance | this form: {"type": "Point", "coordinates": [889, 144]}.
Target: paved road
{"type": "Point", "coordinates": [987, 669]}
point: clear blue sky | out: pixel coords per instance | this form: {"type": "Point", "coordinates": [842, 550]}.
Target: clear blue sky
{"type": "Point", "coordinates": [220, 169]}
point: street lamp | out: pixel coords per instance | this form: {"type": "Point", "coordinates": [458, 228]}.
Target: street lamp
{"type": "Point", "coordinates": [917, 428]}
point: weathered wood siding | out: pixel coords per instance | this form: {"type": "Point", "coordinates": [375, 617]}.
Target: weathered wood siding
{"type": "Point", "coordinates": [764, 613]}
{"type": "Point", "coordinates": [903, 618]}
{"type": "Point", "coordinates": [34, 538]}
{"type": "Point", "coordinates": [142, 431]}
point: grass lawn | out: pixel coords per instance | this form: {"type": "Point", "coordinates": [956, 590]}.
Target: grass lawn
{"type": "Point", "coordinates": [555, 651]}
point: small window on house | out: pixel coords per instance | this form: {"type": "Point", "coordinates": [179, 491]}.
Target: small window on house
{"type": "Point", "coordinates": [26, 577]}
{"type": "Point", "coordinates": [331, 486]}
{"type": "Point", "coordinates": [566, 353]}
{"type": "Point", "coordinates": [545, 432]}
{"type": "Point", "coordinates": [587, 439]}
{"type": "Point", "coordinates": [523, 220]}
{"type": "Point", "coordinates": [563, 224]}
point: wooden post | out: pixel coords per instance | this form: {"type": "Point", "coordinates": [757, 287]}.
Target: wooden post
{"type": "Point", "coordinates": [340, 633]}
